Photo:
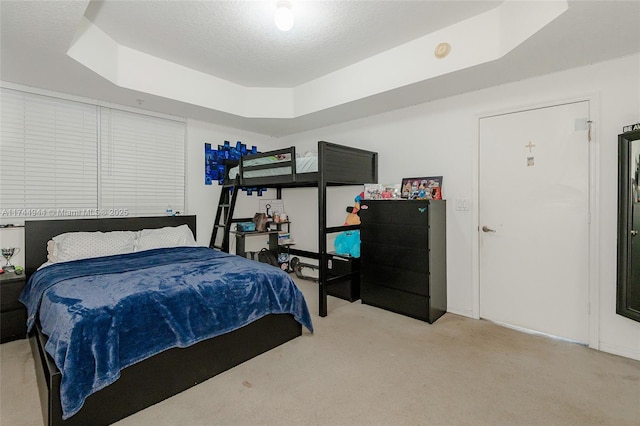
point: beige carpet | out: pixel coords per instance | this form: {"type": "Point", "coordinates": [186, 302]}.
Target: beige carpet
{"type": "Point", "coordinates": [366, 366]}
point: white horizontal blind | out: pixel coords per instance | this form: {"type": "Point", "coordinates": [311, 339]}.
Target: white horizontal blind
{"type": "Point", "coordinates": [142, 163]}
{"type": "Point", "coordinates": [48, 156]}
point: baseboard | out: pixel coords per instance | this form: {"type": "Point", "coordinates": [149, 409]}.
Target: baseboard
{"type": "Point", "coordinates": [462, 312]}
{"type": "Point", "coordinates": [620, 351]}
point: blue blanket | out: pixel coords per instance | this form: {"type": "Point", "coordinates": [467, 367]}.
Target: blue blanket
{"type": "Point", "coordinates": [104, 314]}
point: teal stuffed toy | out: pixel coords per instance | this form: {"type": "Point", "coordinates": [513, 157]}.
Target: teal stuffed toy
{"type": "Point", "coordinates": [348, 242]}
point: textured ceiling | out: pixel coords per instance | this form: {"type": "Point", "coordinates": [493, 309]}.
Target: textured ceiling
{"type": "Point", "coordinates": [237, 41]}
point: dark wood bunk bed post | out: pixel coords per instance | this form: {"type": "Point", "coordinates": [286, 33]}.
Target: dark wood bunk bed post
{"type": "Point", "coordinates": [338, 166]}
{"type": "Point", "coordinates": [322, 231]}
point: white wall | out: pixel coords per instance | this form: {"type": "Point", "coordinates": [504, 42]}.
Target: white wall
{"type": "Point", "coordinates": [440, 138]}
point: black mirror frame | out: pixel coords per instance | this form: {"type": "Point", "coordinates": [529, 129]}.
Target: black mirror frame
{"type": "Point", "coordinates": [624, 225]}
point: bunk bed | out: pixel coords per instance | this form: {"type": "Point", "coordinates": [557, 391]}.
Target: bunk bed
{"type": "Point", "coordinates": [334, 165]}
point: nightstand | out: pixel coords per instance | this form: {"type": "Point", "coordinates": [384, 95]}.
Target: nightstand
{"type": "Point", "coordinates": [13, 315]}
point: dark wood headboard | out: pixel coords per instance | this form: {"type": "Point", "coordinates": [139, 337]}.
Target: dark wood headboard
{"type": "Point", "coordinates": [38, 232]}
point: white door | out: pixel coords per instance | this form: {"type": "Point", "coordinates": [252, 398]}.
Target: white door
{"type": "Point", "coordinates": [534, 213]}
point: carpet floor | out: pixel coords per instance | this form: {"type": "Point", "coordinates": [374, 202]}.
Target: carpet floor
{"type": "Point", "coordinates": [367, 366]}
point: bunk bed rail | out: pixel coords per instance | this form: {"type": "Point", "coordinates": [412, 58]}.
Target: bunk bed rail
{"type": "Point", "coordinates": [346, 165]}
{"type": "Point", "coordinates": [268, 168]}
{"type": "Point", "coordinates": [336, 165]}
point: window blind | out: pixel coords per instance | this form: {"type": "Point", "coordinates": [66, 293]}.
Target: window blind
{"type": "Point", "coordinates": [61, 158]}
{"type": "Point", "coordinates": [142, 163]}
{"type": "Point", "coordinates": [48, 156]}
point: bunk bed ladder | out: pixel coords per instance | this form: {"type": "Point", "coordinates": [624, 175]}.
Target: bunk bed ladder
{"type": "Point", "coordinates": [224, 215]}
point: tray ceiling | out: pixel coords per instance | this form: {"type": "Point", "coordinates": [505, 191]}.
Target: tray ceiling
{"type": "Point", "coordinates": [237, 43]}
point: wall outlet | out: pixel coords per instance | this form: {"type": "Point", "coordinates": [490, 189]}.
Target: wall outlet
{"type": "Point", "coordinates": [463, 205]}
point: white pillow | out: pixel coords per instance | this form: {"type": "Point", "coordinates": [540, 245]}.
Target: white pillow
{"type": "Point", "coordinates": [50, 249]}
{"type": "Point", "coordinates": [82, 245]}
{"type": "Point", "coordinates": [178, 236]}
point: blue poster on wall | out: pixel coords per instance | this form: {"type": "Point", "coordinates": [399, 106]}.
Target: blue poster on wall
{"type": "Point", "coordinates": [210, 167]}
{"type": "Point", "coordinates": [214, 159]}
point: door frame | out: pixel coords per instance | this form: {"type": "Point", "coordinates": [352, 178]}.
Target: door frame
{"type": "Point", "coordinates": [593, 308]}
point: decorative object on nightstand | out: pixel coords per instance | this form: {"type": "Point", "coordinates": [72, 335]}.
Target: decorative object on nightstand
{"type": "Point", "coordinates": [13, 315]}
{"type": "Point", "coordinates": [8, 253]}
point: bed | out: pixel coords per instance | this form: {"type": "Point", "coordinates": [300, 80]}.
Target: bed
{"type": "Point", "coordinates": [201, 350]}
{"type": "Point", "coordinates": [334, 165]}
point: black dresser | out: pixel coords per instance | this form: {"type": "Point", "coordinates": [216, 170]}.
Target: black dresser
{"type": "Point", "coordinates": [403, 257]}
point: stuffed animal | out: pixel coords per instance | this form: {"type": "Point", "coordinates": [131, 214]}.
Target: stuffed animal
{"type": "Point", "coordinates": [348, 242]}
{"type": "Point", "coordinates": [353, 218]}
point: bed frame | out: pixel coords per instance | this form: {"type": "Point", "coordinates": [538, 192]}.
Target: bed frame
{"type": "Point", "coordinates": [161, 376]}
{"type": "Point", "coordinates": [338, 165]}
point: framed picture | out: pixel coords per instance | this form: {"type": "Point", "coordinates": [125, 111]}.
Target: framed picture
{"type": "Point", "coordinates": [422, 188]}
{"type": "Point", "coordinates": [376, 191]}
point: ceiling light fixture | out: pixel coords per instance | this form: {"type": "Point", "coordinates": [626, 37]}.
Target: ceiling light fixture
{"type": "Point", "coordinates": [284, 15]}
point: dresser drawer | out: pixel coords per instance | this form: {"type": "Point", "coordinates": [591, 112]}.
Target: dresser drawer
{"type": "Point", "coordinates": [398, 212]}
{"type": "Point", "coordinates": [396, 301]}
{"type": "Point", "coordinates": [9, 292]}
{"type": "Point", "coordinates": [410, 259]}
{"type": "Point", "coordinates": [397, 278]}
{"type": "Point", "coordinates": [397, 235]}
{"type": "Point", "coordinates": [13, 325]}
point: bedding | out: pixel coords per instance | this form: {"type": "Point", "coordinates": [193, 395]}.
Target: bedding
{"type": "Point", "coordinates": [82, 245]}
{"type": "Point", "coordinates": [307, 164]}
{"type": "Point", "coordinates": [104, 314]}
{"type": "Point", "coordinates": [169, 236]}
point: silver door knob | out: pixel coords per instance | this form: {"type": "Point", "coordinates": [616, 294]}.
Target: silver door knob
{"type": "Point", "coordinates": [634, 232]}
{"type": "Point", "coordinates": [487, 229]}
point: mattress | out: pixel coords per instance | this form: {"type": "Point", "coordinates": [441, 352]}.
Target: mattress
{"type": "Point", "coordinates": [307, 164]}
